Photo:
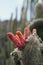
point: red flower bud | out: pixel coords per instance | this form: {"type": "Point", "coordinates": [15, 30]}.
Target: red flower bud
{"type": "Point", "coordinates": [26, 32]}
{"type": "Point", "coordinates": [15, 39]}
{"type": "Point", "coordinates": [18, 39]}
{"type": "Point", "coordinates": [20, 36]}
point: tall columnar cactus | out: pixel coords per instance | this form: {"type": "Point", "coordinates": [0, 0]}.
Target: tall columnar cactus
{"type": "Point", "coordinates": [39, 10]}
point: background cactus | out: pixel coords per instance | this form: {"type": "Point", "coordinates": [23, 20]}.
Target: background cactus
{"type": "Point", "coordinates": [39, 10]}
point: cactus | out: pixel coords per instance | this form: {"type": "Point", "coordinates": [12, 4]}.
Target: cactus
{"type": "Point", "coordinates": [32, 53]}
{"type": "Point", "coordinates": [39, 10]}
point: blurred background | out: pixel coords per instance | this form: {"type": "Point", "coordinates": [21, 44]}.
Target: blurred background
{"type": "Point", "coordinates": [14, 15]}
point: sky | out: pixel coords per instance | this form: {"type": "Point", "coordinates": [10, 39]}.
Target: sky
{"type": "Point", "coordinates": [9, 6]}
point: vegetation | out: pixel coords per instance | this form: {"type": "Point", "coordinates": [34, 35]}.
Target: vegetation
{"type": "Point", "coordinates": [39, 10]}
{"type": "Point", "coordinates": [6, 45]}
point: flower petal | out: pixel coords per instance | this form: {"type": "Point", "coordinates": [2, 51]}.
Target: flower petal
{"type": "Point", "coordinates": [26, 32]}
{"type": "Point", "coordinates": [20, 36]}
{"type": "Point", "coordinates": [14, 39]}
